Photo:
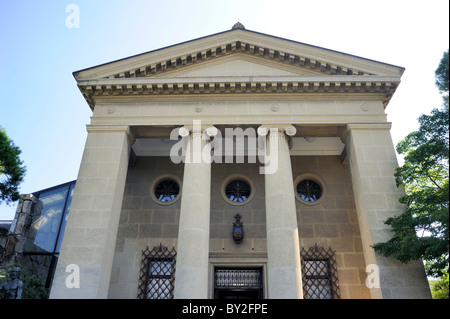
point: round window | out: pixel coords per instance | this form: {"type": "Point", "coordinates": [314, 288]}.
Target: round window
{"type": "Point", "coordinates": [309, 191]}
{"type": "Point", "coordinates": [166, 191]}
{"type": "Point", "coordinates": [237, 190]}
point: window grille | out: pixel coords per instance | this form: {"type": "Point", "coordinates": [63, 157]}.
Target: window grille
{"type": "Point", "coordinates": [238, 191]}
{"type": "Point", "coordinates": [238, 278]}
{"type": "Point", "coordinates": [309, 191]}
{"type": "Point", "coordinates": [157, 273]}
{"type": "Point", "coordinates": [167, 190]}
{"type": "Point", "coordinates": [319, 273]}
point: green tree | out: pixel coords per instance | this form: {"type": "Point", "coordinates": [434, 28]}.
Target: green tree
{"type": "Point", "coordinates": [439, 288]}
{"type": "Point", "coordinates": [12, 170]}
{"type": "Point", "coordinates": [441, 74]}
{"type": "Point", "coordinates": [421, 232]}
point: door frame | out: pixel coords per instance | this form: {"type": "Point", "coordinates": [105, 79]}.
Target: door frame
{"type": "Point", "coordinates": [237, 260]}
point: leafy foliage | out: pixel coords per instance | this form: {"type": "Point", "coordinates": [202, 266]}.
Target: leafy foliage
{"type": "Point", "coordinates": [12, 170]}
{"type": "Point", "coordinates": [421, 232]}
{"type": "Point", "coordinates": [439, 288]}
{"type": "Point", "coordinates": [441, 74]}
{"type": "Point", "coordinates": [33, 286]}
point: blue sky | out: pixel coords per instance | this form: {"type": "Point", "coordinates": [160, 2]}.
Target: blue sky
{"type": "Point", "coordinates": [45, 115]}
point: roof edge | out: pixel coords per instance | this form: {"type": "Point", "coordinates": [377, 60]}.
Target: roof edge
{"type": "Point", "coordinates": [75, 73]}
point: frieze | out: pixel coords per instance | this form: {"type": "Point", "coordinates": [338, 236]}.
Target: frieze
{"type": "Point", "coordinates": [239, 85]}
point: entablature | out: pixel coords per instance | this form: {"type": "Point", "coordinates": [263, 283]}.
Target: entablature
{"type": "Point", "coordinates": [385, 85]}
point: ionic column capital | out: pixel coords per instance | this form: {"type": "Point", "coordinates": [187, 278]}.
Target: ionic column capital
{"type": "Point", "coordinates": [282, 131]}
{"type": "Point", "coordinates": [288, 130]}
{"type": "Point", "coordinates": [184, 131]}
{"type": "Point", "coordinates": [209, 130]}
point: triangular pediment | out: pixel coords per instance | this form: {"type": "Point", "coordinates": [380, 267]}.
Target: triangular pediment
{"type": "Point", "coordinates": [237, 65]}
{"type": "Point", "coordinates": [255, 52]}
{"type": "Point", "coordinates": [235, 62]}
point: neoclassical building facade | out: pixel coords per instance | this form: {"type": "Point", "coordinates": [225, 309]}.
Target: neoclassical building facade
{"type": "Point", "coordinates": [237, 165]}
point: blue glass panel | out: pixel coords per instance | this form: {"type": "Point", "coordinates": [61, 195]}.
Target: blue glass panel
{"type": "Point", "coordinates": [46, 220]}
{"type": "Point", "coordinates": [64, 219]}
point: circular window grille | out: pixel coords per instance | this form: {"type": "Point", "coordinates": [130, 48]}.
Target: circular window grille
{"type": "Point", "coordinates": [238, 191]}
{"type": "Point", "coordinates": [309, 190]}
{"type": "Point", "coordinates": [166, 190]}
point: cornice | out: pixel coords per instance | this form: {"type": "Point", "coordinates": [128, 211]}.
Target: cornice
{"type": "Point", "coordinates": [91, 89]}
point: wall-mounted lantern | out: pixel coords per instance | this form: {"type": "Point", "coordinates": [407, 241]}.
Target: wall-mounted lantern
{"type": "Point", "coordinates": [238, 229]}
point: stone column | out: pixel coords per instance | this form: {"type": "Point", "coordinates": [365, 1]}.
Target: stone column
{"type": "Point", "coordinates": [372, 160]}
{"type": "Point", "coordinates": [283, 249]}
{"type": "Point", "coordinates": [85, 261]}
{"type": "Point", "coordinates": [191, 277]}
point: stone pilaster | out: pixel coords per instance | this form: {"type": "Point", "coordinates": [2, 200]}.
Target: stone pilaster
{"type": "Point", "coordinates": [283, 249]}
{"type": "Point", "coordinates": [91, 230]}
{"type": "Point", "coordinates": [191, 278]}
{"type": "Point", "coordinates": [372, 160]}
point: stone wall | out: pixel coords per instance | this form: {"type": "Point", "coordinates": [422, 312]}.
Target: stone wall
{"type": "Point", "coordinates": [331, 223]}
{"type": "Point", "coordinates": [143, 223]}
{"type": "Point", "coordinates": [223, 212]}
{"type": "Point", "coordinates": [13, 241]}
{"type": "Point", "coordinates": [3, 241]}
